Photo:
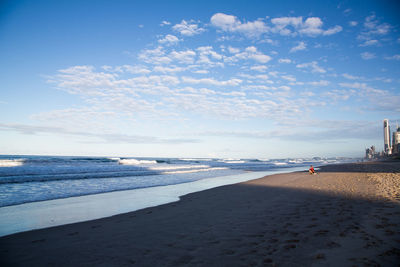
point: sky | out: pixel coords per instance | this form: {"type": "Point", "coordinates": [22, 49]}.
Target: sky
{"type": "Point", "coordinates": [224, 79]}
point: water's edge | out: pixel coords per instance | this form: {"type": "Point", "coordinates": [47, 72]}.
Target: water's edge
{"type": "Point", "coordinates": [44, 214]}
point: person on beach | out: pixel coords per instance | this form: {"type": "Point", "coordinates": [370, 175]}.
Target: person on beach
{"type": "Point", "coordinates": [311, 170]}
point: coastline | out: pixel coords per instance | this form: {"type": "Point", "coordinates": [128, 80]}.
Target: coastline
{"type": "Point", "coordinates": [346, 215]}
{"type": "Point", "coordinates": [56, 212]}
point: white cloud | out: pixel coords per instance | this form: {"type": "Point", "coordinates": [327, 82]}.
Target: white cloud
{"type": "Point", "coordinates": [299, 47]}
{"type": "Point", "coordinates": [168, 69]}
{"type": "Point", "coordinates": [231, 23]}
{"type": "Point", "coordinates": [353, 23]}
{"type": "Point", "coordinates": [372, 30]}
{"type": "Point", "coordinates": [284, 88]}
{"type": "Point", "coordinates": [211, 81]}
{"type": "Point", "coordinates": [136, 69]}
{"type": "Point", "coordinates": [320, 83]}
{"type": "Point", "coordinates": [282, 23]}
{"type": "Point", "coordinates": [154, 56]}
{"type": "Point", "coordinates": [355, 85]}
{"type": "Point", "coordinates": [250, 52]}
{"type": "Point", "coordinates": [188, 28]}
{"type": "Point", "coordinates": [233, 50]}
{"type": "Point", "coordinates": [164, 23]}
{"type": "Point", "coordinates": [169, 39]}
{"type": "Point", "coordinates": [286, 26]}
{"type": "Point", "coordinates": [260, 68]}
{"type": "Point", "coordinates": [333, 30]}
{"type": "Point", "coordinates": [374, 27]}
{"type": "Point", "coordinates": [201, 71]}
{"type": "Point", "coordinates": [207, 55]}
{"type": "Point", "coordinates": [285, 60]}
{"type": "Point", "coordinates": [350, 77]}
{"type": "Point", "coordinates": [289, 78]}
{"type": "Point", "coordinates": [394, 57]}
{"type": "Point", "coordinates": [186, 56]}
{"type": "Point", "coordinates": [370, 43]}
{"type": "Point", "coordinates": [367, 55]}
{"type": "Point", "coordinates": [311, 26]}
{"type": "Point", "coordinates": [313, 66]}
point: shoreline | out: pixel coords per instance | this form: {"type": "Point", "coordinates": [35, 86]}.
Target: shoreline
{"type": "Point", "coordinates": [56, 212]}
{"type": "Point", "coordinates": [346, 215]}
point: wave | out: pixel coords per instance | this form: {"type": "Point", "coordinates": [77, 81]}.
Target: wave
{"type": "Point", "coordinates": [11, 162]}
{"type": "Point", "coordinates": [280, 163]}
{"type": "Point", "coordinates": [179, 167]}
{"type": "Point", "coordinates": [234, 161]}
{"type": "Point", "coordinates": [194, 170]}
{"type": "Point", "coordinates": [136, 161]}
{"type": "Point", "coordinates": [74, 176]}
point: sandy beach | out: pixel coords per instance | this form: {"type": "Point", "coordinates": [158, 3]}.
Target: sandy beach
{"type": "Point", "coordinates": [346, 215]}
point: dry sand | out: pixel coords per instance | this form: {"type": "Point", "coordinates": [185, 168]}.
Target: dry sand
{"type": "Point", "coordinates": [347, 215]}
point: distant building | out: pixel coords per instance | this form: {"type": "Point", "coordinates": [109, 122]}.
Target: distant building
{"type": "Point", "coordinates": [387, 149]}
{"type": "Point", "coordinates": [370, 153]}
{"type": "Point", "coordinates": [396, 141]}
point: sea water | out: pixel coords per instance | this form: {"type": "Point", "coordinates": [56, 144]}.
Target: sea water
{"type": "Point", "coordinates": [26, 179]}
{"type": "Point", "coordinates": [41, 191]}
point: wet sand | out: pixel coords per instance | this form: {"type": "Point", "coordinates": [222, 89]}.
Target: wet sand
{"type": "Point", "coordinates": [347, 215]}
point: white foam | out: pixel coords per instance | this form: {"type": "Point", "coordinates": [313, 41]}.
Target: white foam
{"type": "Point", "coordinates": [178, 167]}
{"type": "Point", "coordinates": [136, 162]}
{"type": "Point", "coordinates": [11, 162]}
{"type": "Point", "coordinates": [280, 163]}
{"type": "Point", "coordinates": [194, 159]}
{"type": "Point", "coordinates": [194, 170]}
{"type": "Point", "coordinates": [235, 161]}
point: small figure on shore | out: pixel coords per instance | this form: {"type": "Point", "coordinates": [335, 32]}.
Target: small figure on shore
{"type": "Point", "coordinates": [311, 170]}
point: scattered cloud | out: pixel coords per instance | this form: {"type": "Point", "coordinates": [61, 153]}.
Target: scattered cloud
{"type": "Point", "coordinates": [169, 39]}
{"type": "Point", "coordinates": [285, 60]}
{"type": "Point", "coordinates": [259, 68]}
{"type": "Point", "coordinates": [373, 30]}
{"type": "Point", "coordinates": [394, 57]}
{"type": "Point", "coordinates": [313, 66]}
{"type": "Point", "coordinates": [286, 26]}
{"type": "Point", "coordinates": [289, 78]}
{"type": "Point", "coordinates": [353, 23]}
{"type": "Point", "coordinates": [165, 23]}
{"type": "Point", "coordinates": [320, 83]}
{"type": "Point", "coordinates": [367, 55]}
{"type": "Point", "coordinates": [188, 28]}
{"type": "Point", "coordinates": [210, 81]}
{"type": "Point", "coordinates": [250, 52]}
{"type": "Point", "coordinates": [293, 26]}
{"type": "Point", "coordinates": [350, 77]}
{"type": "Point", "coordinates": [369, 43]}
{"type": "Point", "coordinates": [230, 23]}
{"type": "Point", "coordinates": [299, 47]}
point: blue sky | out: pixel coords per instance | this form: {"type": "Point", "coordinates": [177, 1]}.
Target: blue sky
{"type": "Point", "coordinates": [238, 79]}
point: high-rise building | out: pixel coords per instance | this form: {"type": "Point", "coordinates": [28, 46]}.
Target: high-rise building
{"type": "Point", "coordinates": [396, 141]}
{"type": "Point", "coordinates": [386, 136]}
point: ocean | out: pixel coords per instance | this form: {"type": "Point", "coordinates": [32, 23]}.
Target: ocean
{"type": "Point", "coordinates": [25, 179]}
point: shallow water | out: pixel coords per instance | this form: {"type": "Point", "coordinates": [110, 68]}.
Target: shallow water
{"type": "Point", "coordinates": [43, 214]}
